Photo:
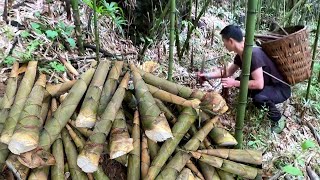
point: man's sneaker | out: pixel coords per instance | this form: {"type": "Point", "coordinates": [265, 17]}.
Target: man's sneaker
{"type": "Point", "coordinates": [277, 127]}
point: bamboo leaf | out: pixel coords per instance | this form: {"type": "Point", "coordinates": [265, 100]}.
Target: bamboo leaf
{"type": "Point", "coordinates": [292, 170]}
{"type": "Point", "coordinates": [307, 144]}
{"type": "Point", "coordinates": [71, 42]}
{"type": "Point", "coordinates": [51, 34]}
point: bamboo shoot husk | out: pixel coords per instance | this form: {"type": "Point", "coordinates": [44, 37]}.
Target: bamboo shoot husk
{"type": "Point", "coordinates": [180, 159]}
{"type": "Point", "coordinates": [209, 172]}
{"type": "Point", "coordinates": [239, 155]}
{"type": "Point", "coordinates": [20, 99]}
{"type": "Point", "coordinates": [79, 141]}
{"type": "Point", "coordinates": [181, 127]}
{"type": "Point", "coordinates": [39, 173]}
{"type": "Point", "coordinates": [89, 157]}
{"type": "Point", "coordinates": [84, 131]}
{"type": "Point", "coordinates": [167, 113]}
{"type": "Point", "coordinates": [133, 172]}
{"type": "Point", "coordinates": [26, 136]}
{"type": "Point", "coordinates": [228, 166]}
{"type": "Point", "coordinates": [169, 86]}
{"type": "Point", "coordinates": [59, 89]}
{"type": "Point", "coordinates": [194, 169]}
{"type": "Point", "coordinates": [110, 86]}
{"type": "Point", "coordinates": [53, 127]}
{"type": "Point", "coordinates": [145, 157]}
{"type": "Point", "coordinates": [7, 101]}
{"type": "Point", "coordinates": [171, 98]}
{"type": "Point", "coordinates": [225, 175]}
{"type": "Point", "coordinates": [71, 153]}
{"type": "Point", "coordinates": [222, 137]}
{"type": "Point", "coordinates": [153, 148]}
{"type": "Point", "coordinates": [18, 169]}
{"type": "Point", "coordinates": [57, 170]}
{"type": "Point", "coordinates": [186, 174]}
{"type": "Point", "coordinates": [152, 119]}
{"type": "Point", "coordinates": [120, 141]}
{"type": "Point", "coordinates": [45, 107]}
{"type": "Point", "coordinates": [88, 113]}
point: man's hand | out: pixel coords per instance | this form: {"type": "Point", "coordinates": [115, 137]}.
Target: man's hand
{"type": "Point", "coordinates": [229, 82]}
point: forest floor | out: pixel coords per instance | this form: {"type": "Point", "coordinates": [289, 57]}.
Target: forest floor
{"type": "Point", "coordinates": [295, 146]}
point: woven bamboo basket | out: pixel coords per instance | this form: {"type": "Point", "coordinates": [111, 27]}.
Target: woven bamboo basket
{"type": "Point", "coordinates": [291, 53]}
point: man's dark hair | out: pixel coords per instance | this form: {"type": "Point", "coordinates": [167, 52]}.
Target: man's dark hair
{"type": "Point", "coordinates": [232, 31]}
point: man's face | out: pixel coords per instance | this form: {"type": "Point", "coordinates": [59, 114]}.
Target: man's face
{"type": "Point", "coordinates": [228, 43]}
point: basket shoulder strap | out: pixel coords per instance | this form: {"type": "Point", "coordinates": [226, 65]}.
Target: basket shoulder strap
{"type": "Point", "coordinates": [283, 82]}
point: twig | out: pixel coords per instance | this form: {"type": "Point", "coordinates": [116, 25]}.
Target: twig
{"type": "Point", "coordinates": [313, 131]}
{"type": "Point", "coordinates": [276, 176]}
{"type": "Point", "coordinates": [312, 175]}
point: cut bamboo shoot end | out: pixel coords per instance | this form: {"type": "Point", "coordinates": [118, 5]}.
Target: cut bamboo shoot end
{"type": "Point", "coordinates": [5, 138]}
{"type": "Point", "coordinates": [186, 174]}
{"type": "Point", "coordinates": [88, 163]}
{"type": "Point", "coordinates": [123, 146]}
{"type": "Point", "coordinates": [19, 170]}
{"type": "Point", "coordinates": [160, 130]}
{"type": "Point", "coordinates": [85, 120]}
{"type": "Point", "coordinates": [22, 142]}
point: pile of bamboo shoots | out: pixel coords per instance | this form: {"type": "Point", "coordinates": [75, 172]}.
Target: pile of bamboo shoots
{"type": "Point", "coordinates": [156, 128]}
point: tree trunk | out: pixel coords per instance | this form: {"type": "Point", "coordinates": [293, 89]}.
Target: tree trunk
{"type": "Point", "coordinates": [77, 23]}
{"type": "Point", "coordinates": [172, 36]}
{"type": "Point", "coordinates": [315, 45]}
{"type": "Point", "coordinates": [247, 54]}
{"type": "Point", "coordinates": [96, 30]}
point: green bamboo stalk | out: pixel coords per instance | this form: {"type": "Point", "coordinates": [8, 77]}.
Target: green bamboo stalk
{"type": "Point", "coordinates": [314, 53]}
{"type": "Point", "coordinates": [60, 117]}
{"type": "Point", "coordinates": [247, 54]}
{"type": "Point", "coordinates": [133, 172]}
{"type": "Point", "coordinates": [26, 136]}
{"type": "Point", "coordinates": [7, 101]}
{"type": "Point", "coordinates": [120, 141]}
{"type": "Point", "coordinates": [84, 131]}
{"type": "Point", "coordinates": [20, 99]}
{"type": "Point", "coordinates": [185, 120]}
{"type": "Point", "coordinates": [71, 153]}
{"type": "Point", "coordinates": [100, 175]}
{"type": "Point", "coordinates": [171, 38]}
{"type": "Point", "coordinates": [96, 29]}
{"type": "Point", "coordinates": [59, 89]}
{"type": "Point", "coordinates": [45, 107]}
{"type": "Point", "coordinates": [153, 30]}
{"type": "Point", "coordinates": [228, 166]}
{"type": "Point", "coordinates": [225, 175]}
{"type": "Point", "coordinates": [145, 157]}
{"type": "Point", "coordinates": [222, 137]}
{"type": "Point", "coordinates": [169, 115]}
{"type": "Point", "coordinates": [79, 142]}
{"type": "Point", "coordinates": [239, 155]}
{"type": "Point", "coordinates": [77, 23]}
{"type": "Point", "coordinates": [286, 17]}
{"type": "Point", "coordinates": [171, 98]}
{"type": "Point", "coordinates": [186, 43]}
{"type": "Point", "coordinates": [153, 121]}
{"type": "Point", "coordinates": [88, 112]}
{"type": "Point", "coordinates": [88, 159]}
{"type": "Point", "coordinates": [153, 148]}
{"type": "Point", "coordinates": [57, 170]}
{"type": "Point", "coordinates": [110, 86]}
{"type": "Point", "coordinates": [194, 169]}
{"type": "Point", "coordinates": [209, 172]}
{"type": "Point", "coordinates": [180, 159]}
{"type": "Point", "coordinates": [169, 86]}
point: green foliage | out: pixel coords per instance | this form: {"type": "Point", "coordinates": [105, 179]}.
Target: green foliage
{"type": "Point", "coordinates": [111, 10]}
{"type": "Point", "coordinates": [9, 60]}
{"type": "Point", "coordinates": [51, 34]}
{"type": "Point", "coordinates": [292, 170]}
{"type": "Point", "coordinates": [24, 34]}
{"type": "Point", "coordinates": [57, 66]}
{"type": "Point", "coordinates": [307, 144]}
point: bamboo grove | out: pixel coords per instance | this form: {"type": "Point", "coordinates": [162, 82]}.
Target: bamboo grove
{"type": "Point", "coordinates": [152, 126]}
